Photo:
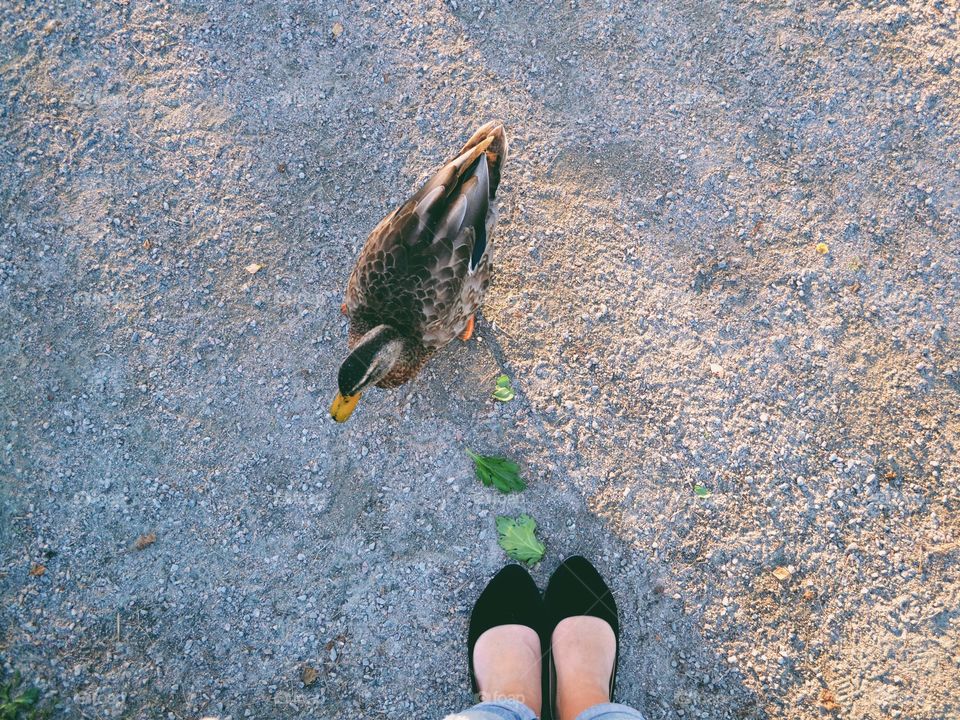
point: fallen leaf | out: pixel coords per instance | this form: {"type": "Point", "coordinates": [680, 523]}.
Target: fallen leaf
{"type": "Point", "coordinates": [809, 594]}
{"type": "Point", "coordinates": [822, 248]}
{"type": "Point", "coordinates": [782, 574]}
{"type": "Point", "coordinates": [17, 701]}
{"type": "Point", "coordinates": [518, 538]}
{"type": "Point", "coordinates": [503, 391]}
{"type": "Point", "coordinates": [144, 541]}
{"type": "Point", "coordinates": [828, 700]}
{"type": "Point", "coordinates": [701, 491]}
{"type": "Point", "coordinates": [281, 167]}
{"type": "Point", "coordinates": [147, 244]}
{"type": "Point", "coordinates": [253, 268]}
{"type": "Point", "coordinates": [36, 570]}
{"type": "Point", "coordinates": [337, 29]}
{"type": "Point", "coordinates": [497, 472]}
{"type": "Point", "coordinates": [309, 675]}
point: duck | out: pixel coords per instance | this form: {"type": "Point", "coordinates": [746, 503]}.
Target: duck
{"type": "Point", "coordinates": [422, 274]}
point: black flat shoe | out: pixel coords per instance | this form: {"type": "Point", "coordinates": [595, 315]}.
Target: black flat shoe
{"type": "Point", "coordinates": [510, 598]}
{"type": "Point", "coordinates": [576, 588]}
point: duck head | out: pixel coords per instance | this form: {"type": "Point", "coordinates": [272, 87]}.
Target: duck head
{"type": "Point", "coordinates": [370, 361]}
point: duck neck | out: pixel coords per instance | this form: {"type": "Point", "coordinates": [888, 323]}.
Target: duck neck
{"type": "Point", "coordinates": [372, 358]}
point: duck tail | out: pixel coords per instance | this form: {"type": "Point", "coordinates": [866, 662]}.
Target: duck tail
{"type": "Point", "coordinates": [491, 139]}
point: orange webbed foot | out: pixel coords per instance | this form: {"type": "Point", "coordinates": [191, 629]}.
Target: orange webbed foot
{"type": "Point", "coordinates": [468, 332]}
{"type": "Point", "coordinates": [343, 309]}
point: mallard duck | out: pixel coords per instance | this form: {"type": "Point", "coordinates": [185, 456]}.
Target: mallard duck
{"type": "Point", "coordinates": [422, 273]}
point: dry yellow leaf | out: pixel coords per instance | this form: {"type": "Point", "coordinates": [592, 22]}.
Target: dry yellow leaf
{"type": "Point", "coordinates": [309, 675]}
{"type": "Point", "coordinates": [828, 700]}
{"type": "Point", "coordinates": [36, 570]}
{"type": "Point", "coordinates": [337, 29]}
{"type": "Point", "coordinates": [822, 248]}
{"type": "Point", "coordinates": [782, 574]}
{"type": "Point", "coordinates": [253, 268]}
{"type": "Point", "coordinates": [144, 541]}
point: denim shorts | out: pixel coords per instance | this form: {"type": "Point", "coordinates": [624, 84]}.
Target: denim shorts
{"type": "Point", "coordinates": [513, 710]}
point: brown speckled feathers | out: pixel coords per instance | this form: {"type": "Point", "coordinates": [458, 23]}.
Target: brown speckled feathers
{"type": "Point", "coordinates": [425, 267]}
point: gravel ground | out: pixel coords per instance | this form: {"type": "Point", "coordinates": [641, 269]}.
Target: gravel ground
{"type": "Point", "coordinates": [659, 300]}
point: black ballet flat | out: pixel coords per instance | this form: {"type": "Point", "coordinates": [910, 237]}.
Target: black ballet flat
{"type": "Point", "coordinates": [576, 588]}
{"type": "Point", "coordinates": [510, 598]}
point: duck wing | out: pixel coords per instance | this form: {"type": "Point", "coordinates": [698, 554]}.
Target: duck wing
{"type": "Point", "coordinates": [411, 271]}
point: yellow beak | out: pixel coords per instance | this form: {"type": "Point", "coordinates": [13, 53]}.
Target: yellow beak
{"type": "Point", "coordinates": [343, 406]}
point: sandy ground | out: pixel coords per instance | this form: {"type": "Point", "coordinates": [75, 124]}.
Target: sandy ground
{"type": "Point", "coordinates": [658, 299]}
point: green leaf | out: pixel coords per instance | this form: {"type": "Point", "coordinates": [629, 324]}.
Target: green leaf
{"type": "Point", "coordinates": [518, 538]}
{"type": "Point", "coordinates": [12, 708]}
{"type": "Point", "coordinates": [503, 391]}
{"type": "Point", "coordinates": [701, 491]}
{"type": "Point", "coordinates": [28, 698]}
{"type": "Point", "coordinates": [497, 472]}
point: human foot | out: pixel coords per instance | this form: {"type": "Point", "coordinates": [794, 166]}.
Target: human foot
{"type": "Point", "coordinates": [584, 652]}
{"type": "Point", "coordinates": [585, 627]}
{"type": "Point", "coordinates": [505, 637]}
{"type": "Point", "coordinates": [506, 663]}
